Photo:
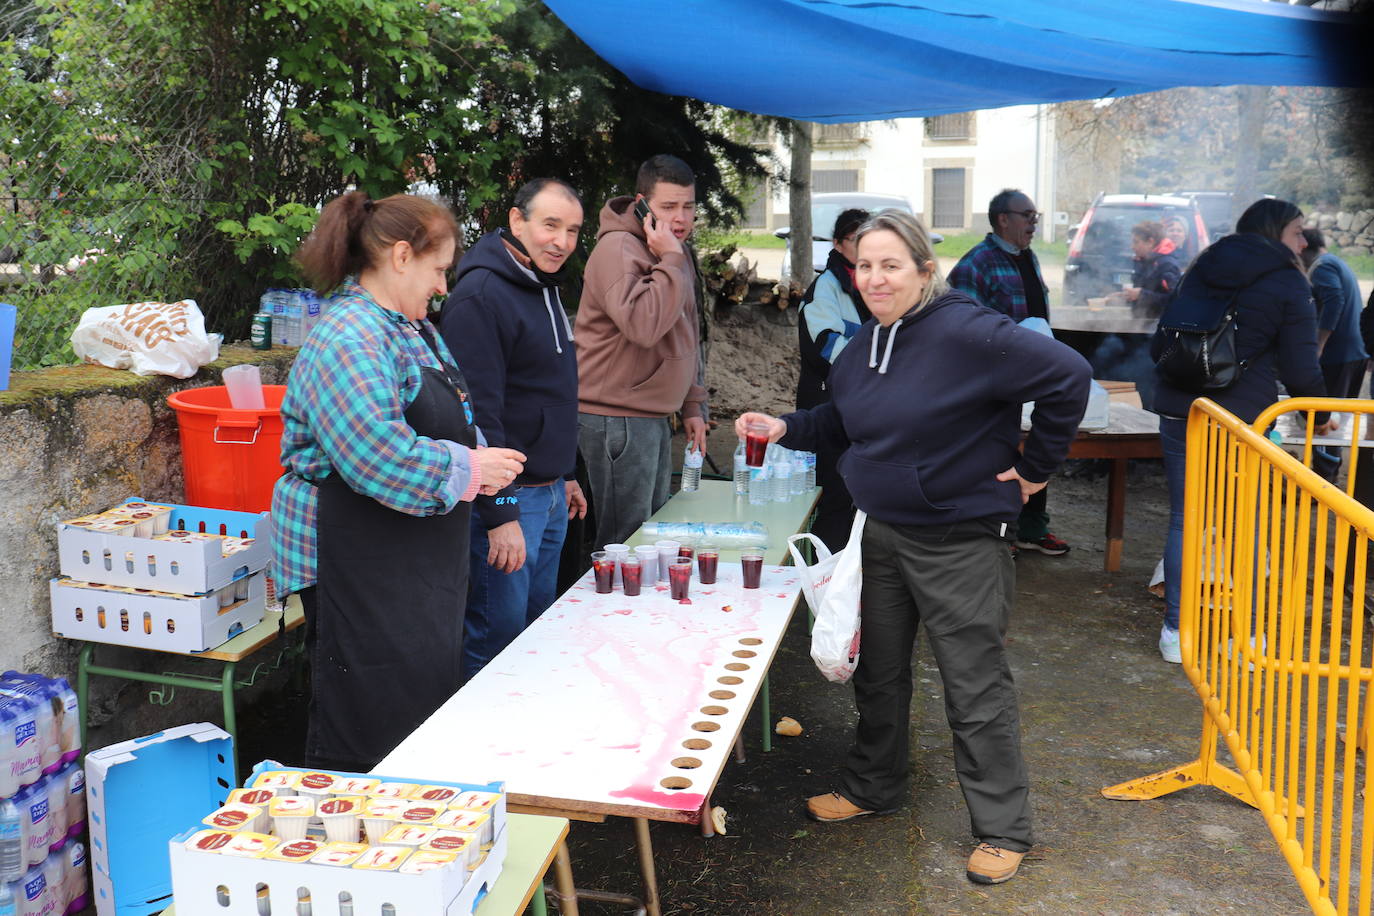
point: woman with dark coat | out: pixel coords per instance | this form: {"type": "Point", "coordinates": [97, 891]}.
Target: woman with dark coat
{"type": "Point", "coordinates": [1156, 273]}
{"type": "Point", "coordinates": [1276, 335]}
{"type": "Point", "coordinates": [926, 411]}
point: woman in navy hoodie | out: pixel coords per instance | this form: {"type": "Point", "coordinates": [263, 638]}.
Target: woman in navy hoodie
{"type": "Point", "coordinates": [926, 407]}
{"type": "Point", "coordinates": [1276, 334]}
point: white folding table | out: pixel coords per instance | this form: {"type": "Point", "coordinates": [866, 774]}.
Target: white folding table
{"type": "Point", "coordinates": [611, 705]}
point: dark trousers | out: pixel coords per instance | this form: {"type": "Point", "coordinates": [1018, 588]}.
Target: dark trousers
{"type": "Point", "coordinates": [961, 591]}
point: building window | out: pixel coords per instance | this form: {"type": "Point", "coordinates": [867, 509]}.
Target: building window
{"type": "Point", "coordinates": [947, 197]}
{"type": "Point", "coordinates": [950, 127]}
{"type": "Point", "coordinates": [840, 134]}
{"type": "Point", "coordinates": [823, 180]}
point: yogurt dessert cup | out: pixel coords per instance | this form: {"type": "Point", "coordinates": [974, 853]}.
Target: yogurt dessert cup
{"type": "Point", "coordinates": [421, 812]}
{"type": "Point", "coordinates": [340, 814]}
{"type": "Point", "coordinates": [291, 815]}
{"type": "Point", "coordinates": [411, 836]}
{"type": "Point", "coordinates": [237, 817]}
{"type": "Point", "coordinates": [282, 782]}
{"type": "Point", "coordinates": [463, 845]}
{"type": "Point", "coordinates": [382, 858]}
{"type": "Point", "coordinates": [392, 789]}
{"type": "Point", "coordinates": [250, 845]}
{"type": "Point", "coordinates": [209, 840]}
{"type": "Point", "coordinates": [294, 850]}
{"type": "Point", "coordinates": [476, 823]}
{"type": "Point", "coordinates": [443, 795]}
{"type": "Point", "coordinates": [340, 855]}
{"type": "Point", "coordinates": [422, 861]}
{"type": "Point", "coordinates": [258, 797]}
{"type": "Point", "coordinates": [380, 815]}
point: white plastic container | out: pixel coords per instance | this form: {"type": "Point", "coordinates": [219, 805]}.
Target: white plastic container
{"type": "Point", "coordinates": [244, 384]}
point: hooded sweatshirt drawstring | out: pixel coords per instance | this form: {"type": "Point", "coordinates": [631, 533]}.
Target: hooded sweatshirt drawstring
{"type": "Point", "coordinates": [887, 352]}
{"type": "Point", "coordinates": [553, 325]}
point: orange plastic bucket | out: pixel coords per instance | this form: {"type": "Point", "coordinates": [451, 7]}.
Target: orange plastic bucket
{"type": "Point", "coordinates": [231, 458]}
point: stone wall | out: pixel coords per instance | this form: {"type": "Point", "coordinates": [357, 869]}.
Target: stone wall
{"type": "Point", "coordinates": [75, 440]}
{"type": "Point", "coordinates": [1350, 231]}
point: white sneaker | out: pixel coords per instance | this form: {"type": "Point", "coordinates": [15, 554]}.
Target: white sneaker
{"type": "Point", "coordinates": [1168, 646]}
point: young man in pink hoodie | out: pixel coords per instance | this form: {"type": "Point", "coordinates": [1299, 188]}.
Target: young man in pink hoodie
{"type": "Point", "coordinates": [638, 348]}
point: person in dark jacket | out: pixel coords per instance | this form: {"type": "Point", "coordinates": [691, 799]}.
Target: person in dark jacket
{"type": "Point", "coordinates": [1340, 347]}
{"type": "Point", "coordinates": [926, 405]}
{"type": "Point", "coordinates": [1276, 335]}
{"type": "Point", "coordinates": [1155, 276]}
{"type": "Point", "coordinates": [830, 315]}
{"type": "Point", "coordinates": [505, 325]}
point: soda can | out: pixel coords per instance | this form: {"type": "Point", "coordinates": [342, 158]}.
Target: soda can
{"type": "Point", "coordinates": [260, 332]}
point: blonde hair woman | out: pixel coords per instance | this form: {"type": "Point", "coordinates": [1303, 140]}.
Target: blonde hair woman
{"type": "Point", "coordinates": [926, 406]}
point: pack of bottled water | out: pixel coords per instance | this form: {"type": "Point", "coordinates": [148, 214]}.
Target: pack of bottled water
{"type": "Point", "coordinates": [42, 798]}
{"type": "Point", "coordinates": [294, 313]}
{"type": "Point", "coordinates": [785, 474]}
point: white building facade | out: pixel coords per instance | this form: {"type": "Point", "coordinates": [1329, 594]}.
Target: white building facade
{"type": "Point", "coordinates": [948, 167]}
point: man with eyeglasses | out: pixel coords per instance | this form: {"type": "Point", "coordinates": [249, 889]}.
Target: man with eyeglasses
{"type": "Point", "coordinates": [638, 347]}
{"type": "Point", "coordinates": [1003, 274]}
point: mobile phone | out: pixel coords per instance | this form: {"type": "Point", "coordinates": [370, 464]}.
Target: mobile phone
{"type": "Point", "coordinates": [642, 211]}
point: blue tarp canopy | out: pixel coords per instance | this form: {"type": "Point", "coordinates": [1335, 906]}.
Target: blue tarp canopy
{"type": "Point", "coordinates": [854, 60]}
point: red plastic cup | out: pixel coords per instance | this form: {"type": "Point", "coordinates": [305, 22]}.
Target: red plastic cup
{"type": "Point", "coordinates": [755, 444]}
{"type": "Point", "coordinates": [603, 567]}
{"type": "Point", "coordinates": [751, 562]}
{"type": "Point", "coordinates": [631, 575]}
{"type": "Point", "coordinates": [679, 574]}
{"type": "Point", "coordinates": [707, 562]}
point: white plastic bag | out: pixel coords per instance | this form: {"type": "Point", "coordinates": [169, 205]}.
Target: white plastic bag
{"type": "Point", "coordinates": [148, 338]}
{"type": "Point", "coordinates": [832, 587]}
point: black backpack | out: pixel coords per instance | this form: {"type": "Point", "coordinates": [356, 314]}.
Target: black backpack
{"type": "Point", "coordinates": [1198, 328]}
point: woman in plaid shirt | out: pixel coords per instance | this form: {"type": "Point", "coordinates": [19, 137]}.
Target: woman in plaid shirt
{"type": "Point", "coordinates": [382, 462]}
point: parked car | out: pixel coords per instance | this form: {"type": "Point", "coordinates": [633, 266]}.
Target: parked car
{"type": "Point", "coordinates": [1100, 260]}
{"type": "Point", "coordinates": [825, 208]}
{"type": "Point", "coordinates": [1216, 209]}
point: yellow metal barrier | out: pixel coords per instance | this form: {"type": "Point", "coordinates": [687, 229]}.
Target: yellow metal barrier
{"type": "Point", "coordinates": [1275, 653]}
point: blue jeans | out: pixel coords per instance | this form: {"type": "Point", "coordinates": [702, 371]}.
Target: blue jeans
{"type": "Point", "coordinates": [1173, 438]}
{"type": "Point", "coordinates": [501, 605]}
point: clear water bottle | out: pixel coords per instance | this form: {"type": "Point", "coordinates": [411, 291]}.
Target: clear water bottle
{"type": "Point", "coordinates": [13, 838]}
{"type": "Point", "coordinates": [74, 778]}
{"type": "Point", "coordinates": [34, 898]}
{"type": "Point", "coordinates": [691, 469]}
{"type": "Point", "coordinates": [741, 472]}
{"type": "Point", "coordinates": [33, 809]}
{"type": "Point", "coordinates": [78, 886]}
{"type": "Point", "coordinates": [19, 740]}
{"type": "Point", "coordinates": [8, 905]}
{"type": "Point", "coordinates": [810, 470]}
{"type": "Point", "coordinates": [760, 487]}
{"type": "Point", "coordinates": [55, 876]}
{"type": "Point", "coordinates": [782, 478]}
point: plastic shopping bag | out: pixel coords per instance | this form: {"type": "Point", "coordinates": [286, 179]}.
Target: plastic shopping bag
{"type": "Point", "coordinates": [148, 338]}
{"type": "Point", "coordinates": [832, 587]}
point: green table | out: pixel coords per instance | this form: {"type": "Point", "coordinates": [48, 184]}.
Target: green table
{"type": "Point", "coordinates": [716, 502]}
{"type": "Point", "coordinates": [228, 654]}
{"type": "Point", "coordinates": [535, 841]}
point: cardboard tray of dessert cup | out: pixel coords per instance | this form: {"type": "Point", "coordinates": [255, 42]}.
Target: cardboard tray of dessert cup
{"type": "Point", "coordinates": [207, 882]}
{"type": "Point", "coordinates": [190, 568]}
{"type": "Point", "coordinates": [124, 616]}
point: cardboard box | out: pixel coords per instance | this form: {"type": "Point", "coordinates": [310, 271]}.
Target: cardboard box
{"type": "Point", "coordinates": [192, 568]}
{"type": "Point", "coordinates": [206, 882]}
{"type": "Point", "coordinates": [139, 794]}
{"type": "Point", "coordinates": [148, 620]}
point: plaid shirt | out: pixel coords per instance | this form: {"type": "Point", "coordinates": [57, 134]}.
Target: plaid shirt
{"type": "Point", "coordinates": [344, 412]}
{"type": "Point", "coordinates": [988, 274]}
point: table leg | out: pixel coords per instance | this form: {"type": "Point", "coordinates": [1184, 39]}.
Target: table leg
{"type": "Point", "coordinates": [230, 725]}
{"type": "Point", "coordinates": [708, 828]}
{"type": "Point", "coordinates": [83, 689]}
{"type": "Point", "coordinates": [646, 866]}
{"type": "Point", "coordinates": [1116, 513]}
{"type": "Point", "coordinates": [766, 707]}
{"type": "Point", "coordinates": [563, 881]}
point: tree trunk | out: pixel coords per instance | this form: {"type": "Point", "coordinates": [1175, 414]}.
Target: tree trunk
{"type": "Point", "coordinates": [1253, 101]}
{"type": "Point", "coordinates": [799, 204]}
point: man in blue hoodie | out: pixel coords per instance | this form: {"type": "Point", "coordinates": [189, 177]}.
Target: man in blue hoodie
{"type": "Point", "coordinates": [506, 326]}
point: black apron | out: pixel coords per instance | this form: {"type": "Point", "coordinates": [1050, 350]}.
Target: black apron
{"type": "Point", "coordinates": [387, 636]}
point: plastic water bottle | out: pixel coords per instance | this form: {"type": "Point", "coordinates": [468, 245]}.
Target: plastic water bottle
{"type": "Point", "coordinates": [12, 842]}
{"type": "Point", "coordinates": [691, 469]}
{"type": "Point", "coordinates": [759, 486]}
{"type": "Point", "coordinates": [810, 470]}
{"type": "Point", "coordinates": [33, 808]}
{"type": "Point", "coordinates": [26, 760]}
{"type": "Point", "coordinates": [782, 478]}
{"type": "Point", "coordinates": [74, 778]}
{"type": "Point", "coordinates": [8, 905]}
{"type": "Point", "coordinates": [9, 764]}
{"type": "Point", "coordinates": [78, 887]}
{"type": "Point", "coordinates": [34, 898]}
{"type": "Point", "coordinates": [741, 472]}
{"type": "Point", "coordinates": [55, 876]}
